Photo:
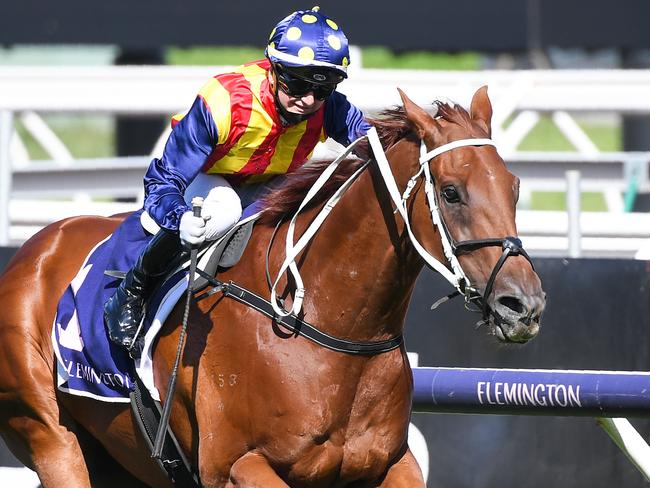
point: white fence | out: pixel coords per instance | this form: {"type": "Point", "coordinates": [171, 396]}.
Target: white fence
{"type": "Point", "coordinates": [519, 99]}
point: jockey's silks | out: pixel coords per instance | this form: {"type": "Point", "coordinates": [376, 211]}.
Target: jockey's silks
{"type": "Point", "coordinates": [252, 142]}
{"type": "Point", "coordinates": [233, 129]}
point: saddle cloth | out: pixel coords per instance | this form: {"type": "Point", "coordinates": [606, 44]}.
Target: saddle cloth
{"type": "Point", "coordinates": [87, 362]}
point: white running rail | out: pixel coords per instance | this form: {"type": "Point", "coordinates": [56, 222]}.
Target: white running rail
{"type": "Point", "coordinates": [519, 99]}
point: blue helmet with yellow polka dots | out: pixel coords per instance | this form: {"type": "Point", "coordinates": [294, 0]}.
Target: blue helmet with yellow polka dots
{"type": "Point", "coordinates": [310, 45]}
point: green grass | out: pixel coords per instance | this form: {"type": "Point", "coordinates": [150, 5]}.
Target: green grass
{"type": "Point", "coordinates": [85, 136]}
{"type": "Point", "coordinates": [546, 137]}
{"type": "Point", "coordinates": [589, 201]}
{"type": "Point", "coordinates": [217, 56]}
{"type": "Point", "coordinates": [372, 57]}
{"type": "Point", "coordinates": [379, 57]}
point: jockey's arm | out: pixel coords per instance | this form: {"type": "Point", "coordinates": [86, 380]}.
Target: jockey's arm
{"type": "Point", "coordinates": [191, 141]}
{"type": "Point", "coordinates": [344, 122]}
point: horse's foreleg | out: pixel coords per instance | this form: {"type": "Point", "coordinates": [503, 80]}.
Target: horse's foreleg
{"type": "Point", "coordinates": [51, 450]}
{"type": "Point", "coordinates": [405, 473]}
{"type": "Point", "coordinates": [253, 471]}
{"type": "Point", "coordinates": [36, 430]}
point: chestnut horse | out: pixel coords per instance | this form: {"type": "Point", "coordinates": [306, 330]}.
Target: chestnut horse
{"type": "Point", "coordinates": [256, 406]}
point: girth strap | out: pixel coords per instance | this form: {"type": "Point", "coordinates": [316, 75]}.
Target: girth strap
{"type": "Point", "coordinates": [297, 325]}
{"type": "Point", "coordinates": [146, 412]}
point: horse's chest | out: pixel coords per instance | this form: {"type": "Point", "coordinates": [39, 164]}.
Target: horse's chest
{"type": "Point", "coordinates": [342, 431]}
{"type": "Point", "coordinates": [365, 457]}
{"type": "Point", "coordinates": [358, 450]}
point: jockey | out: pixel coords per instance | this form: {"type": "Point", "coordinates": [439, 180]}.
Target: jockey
{"type": "Point", "coordinates": [245, 127]}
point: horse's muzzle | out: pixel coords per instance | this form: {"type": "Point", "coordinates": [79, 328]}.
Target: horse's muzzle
{"type": "Point", "coordinates": [516, 317]}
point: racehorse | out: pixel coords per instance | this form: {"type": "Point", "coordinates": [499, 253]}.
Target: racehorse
{"type": "Point", "coordinates": [255, 405]}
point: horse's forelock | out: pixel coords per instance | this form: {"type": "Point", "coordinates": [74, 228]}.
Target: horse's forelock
{"type": "Point", "coordinates": [453, 113]}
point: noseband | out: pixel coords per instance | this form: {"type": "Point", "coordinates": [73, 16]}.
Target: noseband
{"type": "Point", "coordinates": [511, 246]}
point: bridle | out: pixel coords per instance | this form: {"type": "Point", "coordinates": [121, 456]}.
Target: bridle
{"type": "Point", "coordinates": [510, 245]}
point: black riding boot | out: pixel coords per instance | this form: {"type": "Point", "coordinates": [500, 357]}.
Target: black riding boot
{"type": "Point", "coordinates": [123, 312]}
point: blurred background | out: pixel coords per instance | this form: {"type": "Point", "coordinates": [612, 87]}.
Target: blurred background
{"type": "Point", "coordinates": [87, 91]}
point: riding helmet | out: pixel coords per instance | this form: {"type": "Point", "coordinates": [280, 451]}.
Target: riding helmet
{"type": "Point", "coordinates": [311, 46]}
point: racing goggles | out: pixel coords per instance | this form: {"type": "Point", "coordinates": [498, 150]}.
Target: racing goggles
{"type": "Point", "coordinates": [297, 87]}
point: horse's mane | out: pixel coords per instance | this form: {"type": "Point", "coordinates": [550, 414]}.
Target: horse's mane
{"type": "Point", "coordinates": [392, 126]}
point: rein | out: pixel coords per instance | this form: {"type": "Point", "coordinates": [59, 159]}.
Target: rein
{"type": "Point", "coordinates": [274, 308]}
{"type": "Point", "coordinates": [293, 249]}
{"type": "Point", "coordinates": [295, 324]}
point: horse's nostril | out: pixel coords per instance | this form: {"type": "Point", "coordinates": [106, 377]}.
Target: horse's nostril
{"type": "Point", "coordinates": [512, 303]}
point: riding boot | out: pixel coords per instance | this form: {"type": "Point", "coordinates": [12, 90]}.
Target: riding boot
{"type": "Point", "coordinates": [124, 311]}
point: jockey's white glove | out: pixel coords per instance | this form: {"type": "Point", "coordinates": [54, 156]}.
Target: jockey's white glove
{"type": "Point", "coordinates": [192, 229]}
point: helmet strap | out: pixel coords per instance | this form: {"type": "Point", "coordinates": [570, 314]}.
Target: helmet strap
{"type": "Point", "coordinates": [286, 117]}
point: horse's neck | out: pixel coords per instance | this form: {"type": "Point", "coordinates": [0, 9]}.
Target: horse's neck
{"type": "Point", "coordinates": [361, 267]}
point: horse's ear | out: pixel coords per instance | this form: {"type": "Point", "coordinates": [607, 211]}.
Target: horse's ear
{"type": "Point", "coordinates": [481, 109]}
{"type": "Point", "coordinates": [416, 114]}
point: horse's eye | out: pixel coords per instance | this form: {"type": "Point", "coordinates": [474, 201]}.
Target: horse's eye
{"type": "Point", "coordinates": [450, 194]}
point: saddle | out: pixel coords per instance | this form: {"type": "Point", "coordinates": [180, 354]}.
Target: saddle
{"type": "Point", "coordinates": [222, 253]}
{"type": "Point", "coordinates": [226, 251]}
